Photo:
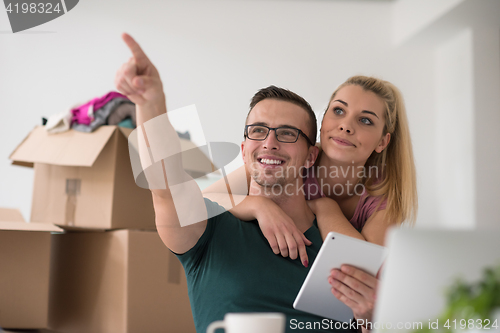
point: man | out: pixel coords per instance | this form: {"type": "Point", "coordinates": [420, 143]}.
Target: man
{"type": "Point", "coordinates": [228, 262]}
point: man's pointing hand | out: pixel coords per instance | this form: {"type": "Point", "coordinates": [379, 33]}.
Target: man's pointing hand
{"type": "Point", "coordinates": [139, 79]}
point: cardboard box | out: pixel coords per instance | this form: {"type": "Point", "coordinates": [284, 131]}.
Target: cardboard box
{"type": "Point", "coordinates": [24, 278]}
{"type": "Point", "coordinates": [84, 180]}
{"type": "Point", "coordinates": [117, 281]}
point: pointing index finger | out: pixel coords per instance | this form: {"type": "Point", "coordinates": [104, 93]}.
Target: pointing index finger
{"type": "Point", "coordinates": [136, 50]}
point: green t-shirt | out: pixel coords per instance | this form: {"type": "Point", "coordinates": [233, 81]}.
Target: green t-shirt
{"type": "Point", "coordinates": [233, 269]}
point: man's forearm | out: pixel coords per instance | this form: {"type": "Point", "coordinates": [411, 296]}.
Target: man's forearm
{"type": "Point", "coordinates": [155, 154]}
{"type": "Point", "coordinates": [161, 164]}
{"type": "Point", "coordinates": [151, 109]}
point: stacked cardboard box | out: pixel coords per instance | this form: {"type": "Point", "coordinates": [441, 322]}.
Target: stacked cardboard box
{"type": "Point", "coordinates": [109, 271]}
{"type": "Point", "coordinates": [117, 281]}
{"type": "Point", "coordinates": [24, 278]}
{"type": "Point", "coordinates": [85, 180]}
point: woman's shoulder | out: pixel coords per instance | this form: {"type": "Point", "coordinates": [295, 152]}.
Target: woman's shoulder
{"type": "Point", "coordinates": [367, 206]}
{"type": "Point", "coordinates": [368, 200]}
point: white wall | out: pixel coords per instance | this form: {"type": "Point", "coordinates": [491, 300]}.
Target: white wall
{"type": "Point", "coordinates": [410, 16]}
{"type": "Point", "coordinates": [215, 54]}
{"type": "Point", "coordinates": [486, 48]}
{"type": "Point", "coordinates": [454, 153]}
{"type": "Point", "coordinates": [466, 43]}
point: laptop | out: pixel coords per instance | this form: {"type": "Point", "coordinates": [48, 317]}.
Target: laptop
{"type": "Point", "coordinates": [420, 266]}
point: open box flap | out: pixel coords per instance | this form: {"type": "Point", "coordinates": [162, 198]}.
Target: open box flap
{"type": "Point", "coordinates": [25, 226]}
{"type": "Point", "coordinates": [12, 219]}
{"type": "Point", "coordinates": [70, 148]}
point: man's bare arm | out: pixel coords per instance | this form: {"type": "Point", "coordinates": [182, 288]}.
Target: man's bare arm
{"type": "Point", "coordinates": [178, 207]}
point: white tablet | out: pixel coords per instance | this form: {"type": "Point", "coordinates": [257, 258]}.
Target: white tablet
{"type": "Point", "coordinates": [315, 295]}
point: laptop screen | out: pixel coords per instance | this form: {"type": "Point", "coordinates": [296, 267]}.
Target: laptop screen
{"type": "Point", "coordinates": [420, 266]}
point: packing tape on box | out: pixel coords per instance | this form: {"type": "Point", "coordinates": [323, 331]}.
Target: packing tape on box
{"type": "Point", "coordinates": [72, 191]}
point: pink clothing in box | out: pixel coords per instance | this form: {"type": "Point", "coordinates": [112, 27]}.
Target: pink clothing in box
{"type": "Point", "coordinates": [84, 114]}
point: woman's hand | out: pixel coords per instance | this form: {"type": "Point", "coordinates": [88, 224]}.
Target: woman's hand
{"type": "Point", "coordinates": [278, 228]}
{"type": "Point", "coordinates": [356, 289]}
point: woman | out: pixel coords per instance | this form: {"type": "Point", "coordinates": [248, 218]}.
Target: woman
{"type": "Point", "coordinates": [365, 131]}
{"type": "Point", "coordinates": [363, 181]}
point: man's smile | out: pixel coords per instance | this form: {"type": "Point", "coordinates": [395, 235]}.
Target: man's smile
{"type": "Point", "coordinates": [270, 161]}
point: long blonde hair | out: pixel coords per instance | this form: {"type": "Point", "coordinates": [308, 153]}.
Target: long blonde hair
{"type": "Point", "coordinates": [398, 183]}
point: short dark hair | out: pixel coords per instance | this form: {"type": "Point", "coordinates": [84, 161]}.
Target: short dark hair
{"type": "Point", "coordinates": [281, 94]}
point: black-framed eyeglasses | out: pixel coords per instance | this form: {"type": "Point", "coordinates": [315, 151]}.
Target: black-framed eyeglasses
{"type": "Point", "coordinates": [283, 134]}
